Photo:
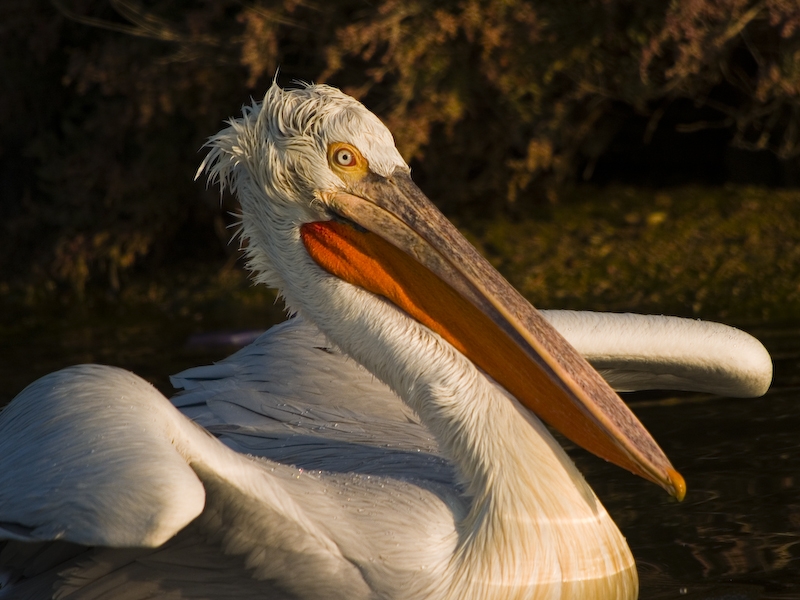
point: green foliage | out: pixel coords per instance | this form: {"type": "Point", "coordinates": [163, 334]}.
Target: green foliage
{"type": "Point", "coordinates": [105, 103]}
{"type": "Point", "coordinates": [720, 253]}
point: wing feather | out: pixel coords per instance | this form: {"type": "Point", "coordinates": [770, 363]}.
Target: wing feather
{"type": "Point", "coordinates": [291, 385]}
{"type": "Point", "coordinates": [75, 465]}
{"type": "Point", "coordinates": [116, 465]}
{"type": "Point", "coordinates": [644, 352]}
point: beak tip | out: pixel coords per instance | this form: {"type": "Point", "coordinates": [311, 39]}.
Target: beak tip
{"type": "Point", "coordinates": [677, 484]}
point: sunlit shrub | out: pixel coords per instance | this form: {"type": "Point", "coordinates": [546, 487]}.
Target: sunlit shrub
{"type": "Point", "coordinates": [495, 102]}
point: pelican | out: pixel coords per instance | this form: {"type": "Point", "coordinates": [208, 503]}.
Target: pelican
{"type": "Point", "coordinates": [386, 442]}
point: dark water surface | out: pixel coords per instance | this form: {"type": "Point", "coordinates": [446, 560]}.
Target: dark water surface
{"type": "Point", "coordinates": [735, 537]}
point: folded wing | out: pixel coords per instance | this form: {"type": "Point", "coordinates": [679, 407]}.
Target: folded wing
{"type": "Point", "coordinates": [646, 352]}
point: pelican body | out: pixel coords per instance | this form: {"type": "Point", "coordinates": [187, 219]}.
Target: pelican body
{"type": "Point", "coordinates": [384, 443]}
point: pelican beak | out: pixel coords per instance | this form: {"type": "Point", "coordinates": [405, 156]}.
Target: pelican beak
{"type": "Point", "coordinates": [392, 241]}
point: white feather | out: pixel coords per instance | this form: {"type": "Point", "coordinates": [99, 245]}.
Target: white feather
{"type": "Point", "coordinates": [645, 352]}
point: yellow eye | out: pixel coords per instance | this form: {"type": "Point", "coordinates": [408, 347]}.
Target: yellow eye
{"type": "Point", "coordinates": [345, 157]}
{"type": "Point", "coordinates": [347, 162]}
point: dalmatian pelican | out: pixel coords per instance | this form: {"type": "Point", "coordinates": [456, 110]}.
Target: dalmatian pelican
{"type": "Point", "coordinates": [387, 442]}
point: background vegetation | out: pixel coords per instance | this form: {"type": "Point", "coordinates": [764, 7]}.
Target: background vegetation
{"type": "Point", "coordinates": [554, 131]}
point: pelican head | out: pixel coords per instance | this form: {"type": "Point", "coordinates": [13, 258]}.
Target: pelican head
{"type": "Point", "coordinates": [281, 158]}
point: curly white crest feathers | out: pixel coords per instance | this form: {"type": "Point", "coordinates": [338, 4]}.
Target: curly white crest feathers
{"type": "Point", "coordinates": [274, 159]}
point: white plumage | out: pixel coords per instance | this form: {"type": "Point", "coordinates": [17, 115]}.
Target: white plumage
{"type": "Point", "coordinates": [351, 452]}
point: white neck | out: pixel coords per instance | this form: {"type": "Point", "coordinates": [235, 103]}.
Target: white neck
{"type": "Point", "coordinates": [534, 528]}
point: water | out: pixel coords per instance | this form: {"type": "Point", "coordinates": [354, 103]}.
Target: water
{"type": "Point", "coordinates": [735, 537]}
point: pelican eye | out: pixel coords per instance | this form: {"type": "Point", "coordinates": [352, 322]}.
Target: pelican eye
{"type": "Point", "coordinates": [345, 160]}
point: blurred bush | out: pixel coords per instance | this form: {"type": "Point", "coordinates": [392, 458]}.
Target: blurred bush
{"type": "Point", "coordinates": [496, 103]}
{"type": "Point", "coordinates": [727, 252]}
